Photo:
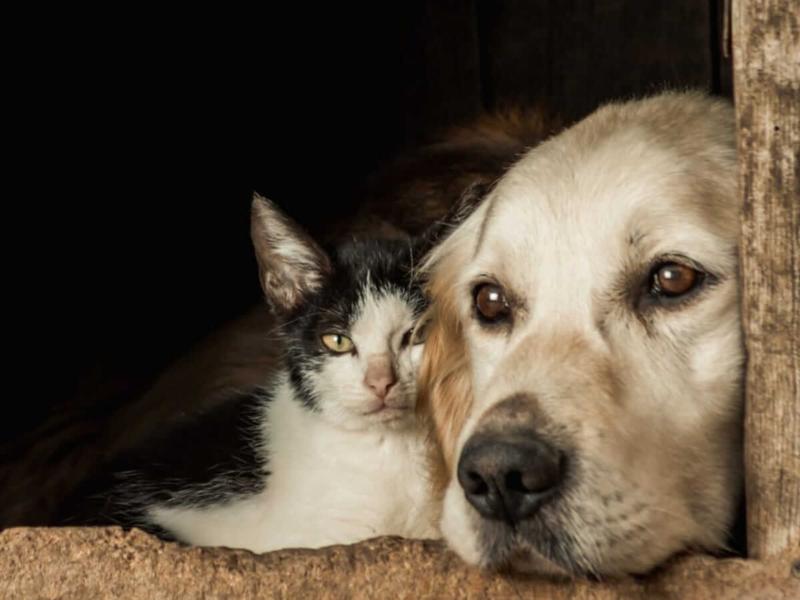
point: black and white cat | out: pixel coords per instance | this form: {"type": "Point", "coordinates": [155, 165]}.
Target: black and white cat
{"type": "Point", "coordinates": [330, 450]}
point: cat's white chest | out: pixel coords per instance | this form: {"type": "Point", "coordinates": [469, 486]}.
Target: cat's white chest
{"type": "Point", "coordinates": [326, 486]}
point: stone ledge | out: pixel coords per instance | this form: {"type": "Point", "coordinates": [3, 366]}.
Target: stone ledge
{"type": "Point", "coordinates": [112, 563]}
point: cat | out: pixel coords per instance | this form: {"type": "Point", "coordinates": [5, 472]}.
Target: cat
{"type": "Point", "coordinates": [330, 449]}
{"type": "Point", "coordinates": [404, 197]}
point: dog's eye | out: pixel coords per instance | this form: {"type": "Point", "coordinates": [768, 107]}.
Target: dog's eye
{"type": "Point", "coordinates": [491, 303]}
{"type": "Point", "coordinates": [414, 336]}
{"type": "Point", "coordinates": [674, 279]}
{"type": "Point", "coordinates": [419, 333]}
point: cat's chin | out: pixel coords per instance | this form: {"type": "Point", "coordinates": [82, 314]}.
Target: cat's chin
{"type": "Point", "coordinates": [386, 417]}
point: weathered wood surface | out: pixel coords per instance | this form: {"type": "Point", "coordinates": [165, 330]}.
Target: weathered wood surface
{"type": "Point", "coordinates": [766, 37]}
{"type": "Point", "coordinates": [108, 563]}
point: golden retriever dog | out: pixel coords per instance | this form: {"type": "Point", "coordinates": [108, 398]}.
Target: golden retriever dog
{"type": "Point", "coordinates": [584, 359]}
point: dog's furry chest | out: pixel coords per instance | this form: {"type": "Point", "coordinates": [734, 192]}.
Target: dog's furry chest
{"type": "Point", "coordinates": [325, 486]}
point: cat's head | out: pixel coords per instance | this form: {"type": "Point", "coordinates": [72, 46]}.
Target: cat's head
{"type": "Point", "coordinates": [348, 318]}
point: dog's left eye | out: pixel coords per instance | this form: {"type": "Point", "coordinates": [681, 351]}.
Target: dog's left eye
{"type": "Point", "coordinates": [491, 303]}
{"type": "Point", "coordinates": [674, 279]}
{"type": "Point", "coordinates": [415, 335]}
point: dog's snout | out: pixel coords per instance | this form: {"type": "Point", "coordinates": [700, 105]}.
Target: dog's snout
{"type": "Point", "coordinates": [509, 479]}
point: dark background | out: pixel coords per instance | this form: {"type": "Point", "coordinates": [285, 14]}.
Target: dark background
{"type": "Point", "coordinates": [140, 136]}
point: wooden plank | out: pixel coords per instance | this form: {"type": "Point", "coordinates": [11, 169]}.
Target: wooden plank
{"type": "Point", "coordinates": [575, 54]}
{"type": "Point", "coordinates": [766, 35]}
{"type": "Point", "coordinates": [611, 49]}
{"type": "Point", "coordinates": [515, 52]}
{"type": "Point", "coordinates": [439, 76]}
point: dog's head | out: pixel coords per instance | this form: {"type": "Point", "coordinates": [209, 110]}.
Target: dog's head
{"type": "Point", "coordinates": [584, 361]}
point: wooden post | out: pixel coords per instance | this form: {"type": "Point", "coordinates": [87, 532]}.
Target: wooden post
{"type": "Point", "coordinates": [766, 49]}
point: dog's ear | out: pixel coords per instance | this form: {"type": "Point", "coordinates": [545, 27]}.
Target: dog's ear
{"type": "Point", "coordinates": [291, 266]}
{"type": "Point", "coordinates": [469, 200]}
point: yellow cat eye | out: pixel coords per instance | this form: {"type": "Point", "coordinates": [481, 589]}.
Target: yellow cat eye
{"type": "Point", "coordinates": [338, 343]}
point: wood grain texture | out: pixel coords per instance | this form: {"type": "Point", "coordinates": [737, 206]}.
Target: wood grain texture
{"type": "Point", "coordinates": [109, 563]}
{"type": "Point", "coordinates": [766, 37]}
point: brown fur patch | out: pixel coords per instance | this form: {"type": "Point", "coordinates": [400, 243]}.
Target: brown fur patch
{"type": "Point", "coordinates": [418, 189]}
{"type": "Point", "coordinates": [444, 381]}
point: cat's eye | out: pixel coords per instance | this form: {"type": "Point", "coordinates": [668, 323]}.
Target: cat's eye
{"type": "Point", "coordinates": [672, 279]}
{"type": "Point", "coordinates": [338, 343]}
{"type": "Point", "coordinates": [491, 303]}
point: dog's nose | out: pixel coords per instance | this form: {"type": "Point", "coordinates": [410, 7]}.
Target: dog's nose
{"type": "Point", "coordinates": [509, 479]}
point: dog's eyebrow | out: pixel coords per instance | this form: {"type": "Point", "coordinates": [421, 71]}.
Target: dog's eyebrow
{"type": "Point", "coordinates": [482, 231]}
{"type": "Point", "coordinates": [635, 238]}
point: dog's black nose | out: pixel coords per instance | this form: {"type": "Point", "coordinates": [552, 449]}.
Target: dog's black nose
{"type": "Point", "coordinates": [509, 478]}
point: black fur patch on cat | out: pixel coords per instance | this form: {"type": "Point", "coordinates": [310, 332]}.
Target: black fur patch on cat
{"type": "Point", "coordinates": [208, 458]}
{"type": "Point", "coordinates": [385, 265]}
{"type": "Point", "coordinates": [201, 460]}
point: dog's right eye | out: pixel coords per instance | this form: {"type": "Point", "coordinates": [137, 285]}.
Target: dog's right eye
{"type": "Point", "coordinates": [491, 303]}
{"type": "Point", "coordinates": [672, 280]}
{"type": "Point", "coordinates": [671, 283]}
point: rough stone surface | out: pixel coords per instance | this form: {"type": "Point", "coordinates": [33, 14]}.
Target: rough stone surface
{"type": "Point", "coordinates": [112, 563]}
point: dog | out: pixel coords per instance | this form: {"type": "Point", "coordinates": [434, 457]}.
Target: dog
{"type": "Point", "coordinates": [584, 360]}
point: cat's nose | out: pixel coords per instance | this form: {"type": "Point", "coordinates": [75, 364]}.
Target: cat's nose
{"type": "Point", "coordinates": [380, 375]}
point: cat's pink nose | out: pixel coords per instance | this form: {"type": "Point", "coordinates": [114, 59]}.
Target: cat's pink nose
{"type": "Point", "coordinates": [380, 376]}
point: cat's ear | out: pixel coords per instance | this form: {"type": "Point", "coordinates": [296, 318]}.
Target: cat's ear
{"type": "Point", "coordinates": [291, 266]}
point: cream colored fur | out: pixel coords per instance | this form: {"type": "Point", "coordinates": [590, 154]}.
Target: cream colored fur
{"type": "Point", "coordinates": [648, 402]}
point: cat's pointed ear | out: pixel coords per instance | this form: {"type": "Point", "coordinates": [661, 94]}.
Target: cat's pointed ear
{"type": "Point", "coordinates": [291, 266]}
